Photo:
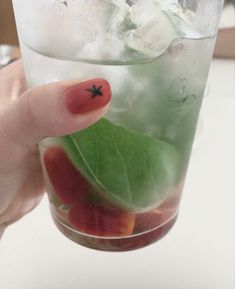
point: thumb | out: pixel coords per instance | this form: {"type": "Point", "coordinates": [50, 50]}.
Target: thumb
{"type": "Point", "coordinates": [55, 109]}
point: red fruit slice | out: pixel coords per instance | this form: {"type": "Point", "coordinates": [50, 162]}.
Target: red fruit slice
{"type": "Point", "coordinates": [152, 220]}
{"type": "Point", "coordinates": [98, 220]}
{"type": "Point", "coordinates": [68, 183]}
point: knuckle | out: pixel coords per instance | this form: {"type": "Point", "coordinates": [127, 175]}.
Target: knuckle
{"type": "Point", "coordinates": [32, 112]}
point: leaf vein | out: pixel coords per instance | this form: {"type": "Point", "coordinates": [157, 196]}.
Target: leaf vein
{"type": "Point", "coordinates": [97, 152]}
{"type": "Point", "coordinates": [124, 166]}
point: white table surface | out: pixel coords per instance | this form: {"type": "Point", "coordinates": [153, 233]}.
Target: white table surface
{"type": "Point", "coordinates": [197, 254]}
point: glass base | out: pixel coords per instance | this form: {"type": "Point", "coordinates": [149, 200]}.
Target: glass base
{"type": "Point", "coordinates": [116, 244]}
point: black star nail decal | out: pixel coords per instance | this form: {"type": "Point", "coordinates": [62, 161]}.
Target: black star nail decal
{"type": "Point", "coordinates": [96, 91]}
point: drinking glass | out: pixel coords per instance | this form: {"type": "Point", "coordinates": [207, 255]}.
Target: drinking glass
{"type": "Point", "coordinates": [117, 185]}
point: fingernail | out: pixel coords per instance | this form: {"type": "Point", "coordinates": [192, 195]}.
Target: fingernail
{"type": "Point", "coordinates": [88, 96]}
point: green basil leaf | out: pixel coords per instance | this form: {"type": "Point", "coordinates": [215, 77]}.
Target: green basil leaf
{"type": "Point", "coordinates": [132, 170]}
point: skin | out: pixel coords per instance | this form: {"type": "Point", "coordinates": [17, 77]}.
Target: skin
{"type": "Point", "coordinates": [26, 117]}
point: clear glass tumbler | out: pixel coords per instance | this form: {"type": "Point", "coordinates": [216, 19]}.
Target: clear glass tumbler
{"type": "Point", "coordinates": [117, 185]}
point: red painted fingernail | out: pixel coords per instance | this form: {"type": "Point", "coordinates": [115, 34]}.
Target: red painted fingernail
{"type": "Point", "coordinates": [88, 96]}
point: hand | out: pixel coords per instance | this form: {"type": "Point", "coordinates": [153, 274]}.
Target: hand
{"type": "Point", "coordinates": [26, 117]}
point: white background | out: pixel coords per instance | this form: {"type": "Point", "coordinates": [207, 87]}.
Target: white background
{"type": "Point", "coordinates": [197, 254]}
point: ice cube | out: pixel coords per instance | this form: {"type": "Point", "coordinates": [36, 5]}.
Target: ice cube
{"type": "Point", "coordinates": [154, 32]}
{"type": "Point", "coordinates": [183, 21]}
{"type": "Point", "coordinates": [115, 30]}
{"type": "Point", "coordinates": [109, 19]}
{"type": "Point", "coordinates": [186, 17]}
{"type": "Point", "coordinates": [131, 2]}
